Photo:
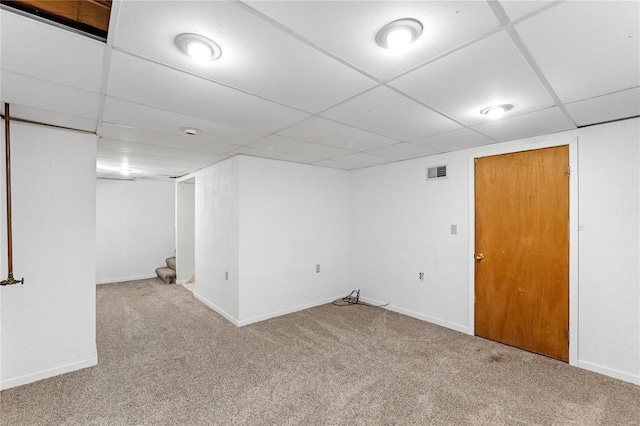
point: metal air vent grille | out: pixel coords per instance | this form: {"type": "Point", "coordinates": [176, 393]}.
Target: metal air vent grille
{"type": "Point", "coordinates": [437, 172]}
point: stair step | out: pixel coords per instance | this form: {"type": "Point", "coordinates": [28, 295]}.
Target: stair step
{"type": "Point", "coordinates": [166, 274]}
{"type": "Point", "coordinates": [171, 262]}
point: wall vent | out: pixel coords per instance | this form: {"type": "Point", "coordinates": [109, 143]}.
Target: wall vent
{"type": "Point", "coordinates": [437, 172]}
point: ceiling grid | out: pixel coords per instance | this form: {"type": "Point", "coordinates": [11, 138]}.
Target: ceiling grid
{"type": "Point", "coordinates": [305, 81]}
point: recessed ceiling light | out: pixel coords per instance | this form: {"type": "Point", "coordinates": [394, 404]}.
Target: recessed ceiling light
{"type": "Point", "coordinates": [198, 47]}
{"type": "Point", "coordinates": [399, 34]}
{"type": "Point", "coordinates": [190, 131]}
{"type": "Point", "coordinates": [496, 111]}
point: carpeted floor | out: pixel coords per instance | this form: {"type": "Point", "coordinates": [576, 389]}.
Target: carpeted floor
{"type": "Point", "coordinates": [165, 359]}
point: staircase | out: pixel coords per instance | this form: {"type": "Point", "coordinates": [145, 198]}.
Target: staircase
{"type": "Point", "coordinates": [168, 273]}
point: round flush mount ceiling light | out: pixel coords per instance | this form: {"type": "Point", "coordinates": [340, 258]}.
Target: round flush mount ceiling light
{"type": "Point", "coordinates": [191, 131]}
{"type": "Point", "coordinates": [399, 34]}
{"type": "Point", "coordinates": [198, 47]}
{"type": "Point", "coordinates": [496, 111]}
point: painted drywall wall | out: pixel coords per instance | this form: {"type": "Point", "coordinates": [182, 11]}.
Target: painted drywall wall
{"type": "Point", "coordinates": [268, 224]}
{"type": "Point", "coordinates": [292, 218]}
{"type": "Point", "coordinates": [48, 324]}
{"type": "Point", "coordinates": [609, 310]}
{"type": "Point", "coordinates": [185, 230]}
{"type": "Point", "coordinates": [135, 228]}
{"type": "Point", "coordinates": [217, 237]}
{"type": "Point", "coordinates": [400, 225]}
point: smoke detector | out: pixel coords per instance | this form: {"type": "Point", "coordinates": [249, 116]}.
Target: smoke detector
{"type": "Point", "coordinates": [191, 131]}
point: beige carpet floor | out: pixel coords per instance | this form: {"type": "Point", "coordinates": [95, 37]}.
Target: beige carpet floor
{"type": "Point", "coordinates": [165, 359]}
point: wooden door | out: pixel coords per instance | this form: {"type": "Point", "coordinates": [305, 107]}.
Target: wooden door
{"type": "Point", "coordinates": [522, 238]}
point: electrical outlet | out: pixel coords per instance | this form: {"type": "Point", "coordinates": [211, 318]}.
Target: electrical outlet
{"type": "Point", "coordinates": [421, 276]}
{"type": "Point", "coordinates": [317, 268]}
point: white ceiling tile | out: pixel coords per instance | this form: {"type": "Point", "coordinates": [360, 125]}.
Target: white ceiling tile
{"type": "Point", "coordinates": [50, 53]}
{"type": "Point", "coordinates": [277, 143]}
{"type": "Point", "coordinates": [327, 132]}
{"type": "Point", "coordinates": [453, 141]}
{"type": "Point", "coordinates": [518, 8]}
{"type": "Point", "coordinates": [336, 165]}
{"type": "Point", "coordinates": [125, 113]}
{"type": "Point", "coordinates": [144, 82]}
{"type": "Point", "coordinates": [290, 72]}
{"type": "Point", "coordinates": [403, 151]}
{"type": "Point", "coordinates": [586, 49]}
{"type": "Point", "coordinates": [172, 141]}
{"type": "Point", "coordinates": [143, 168]}
{"type": "Point", "coordinates": [348, 28]}
{"type": "Point", "coordinates": [255, 152]}
{"type": "Point", "coordinates": [547, 121]}
{"type": "Point", "coordinates": [364, 159]}
{"type": "Point", "coordinates": [134, 158]}
{"type": "Point", "coordinates": [387, 112]}
{"type": "Point", "coordinates": [45, 95]}
{"type": "Point", "coordinates": [53, 118]}
{"type": "Point", "coordinates": [489, 72]}
{"type": "Point", "coordinates": [606, 108]}
{"type": "Point", "coordinates": [125, 146]}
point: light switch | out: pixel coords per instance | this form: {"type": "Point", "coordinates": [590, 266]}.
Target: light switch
{"type": "Point", "coordinates": [454, 229]}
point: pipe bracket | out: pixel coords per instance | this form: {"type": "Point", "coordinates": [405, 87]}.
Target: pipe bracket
{"type": "Point", "coordinates": [10, 280]}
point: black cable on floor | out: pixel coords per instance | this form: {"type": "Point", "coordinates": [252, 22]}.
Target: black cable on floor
{"type": "Point", "coordinates": [354, 299]}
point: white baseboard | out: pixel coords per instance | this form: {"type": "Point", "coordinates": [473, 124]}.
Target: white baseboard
{"type": "Point", "coordinates": [264, 317]}
{"type": "Point", "coordinates": [181, 282]}
{"type": "Point", "coordinates": [427, 318]}
{"type": "Point", "coordinates": [216, 308]}
{"type": "Point", "coordinates": [120, 280]}
{"type": "Point", "coordinates": [611, 372]}
{"type": "Point", "coordinates": [45, 374]}
{"type": "Point", "coordinates": [287, 311]}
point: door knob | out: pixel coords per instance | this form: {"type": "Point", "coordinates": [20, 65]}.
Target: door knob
{"type": "Point", "coordinates": [479, 256]}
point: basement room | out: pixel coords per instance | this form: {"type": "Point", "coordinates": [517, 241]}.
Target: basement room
{"type": "Point", "coordinates": [266, 212]}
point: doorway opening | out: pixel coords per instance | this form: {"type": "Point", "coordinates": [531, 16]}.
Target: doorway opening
{"type": "Point", "coordinates": [185, 233]}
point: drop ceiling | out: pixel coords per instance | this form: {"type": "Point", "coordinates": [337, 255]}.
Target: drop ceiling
{"type": "Point", "coordinates": [305, 81]}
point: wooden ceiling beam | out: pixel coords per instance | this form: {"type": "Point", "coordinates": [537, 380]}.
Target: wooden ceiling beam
{"type": "Point", "coordinates": [87, 15]}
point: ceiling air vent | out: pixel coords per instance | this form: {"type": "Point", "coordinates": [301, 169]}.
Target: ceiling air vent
{"type": "Point", "coordinates": [437, 172]}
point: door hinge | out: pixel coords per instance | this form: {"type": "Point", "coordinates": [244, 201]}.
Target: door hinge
{"type": "Point", "coordinates": [568, 170]}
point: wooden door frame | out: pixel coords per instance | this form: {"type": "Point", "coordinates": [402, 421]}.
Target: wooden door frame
{"type": "Point", "coordinates": [572, 143]}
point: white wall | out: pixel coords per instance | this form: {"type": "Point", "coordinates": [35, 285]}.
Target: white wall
{"type": "Point", "coordinates": [135, 228]}
{"type": "Point", "coordinates": [400, 226]}
{"type": "Point", "coordinates": [292, 217]}
{"type": "Point", "coordinates": [609, 307]}
{"type": "Point", "coordinates": [48, 324]}
{"type": "Point", "coordinates": [185, 230]}
{"type": "Point", "coordinates": [217, 237]}
{"type": "Point", "coordinates": [269, 223]}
